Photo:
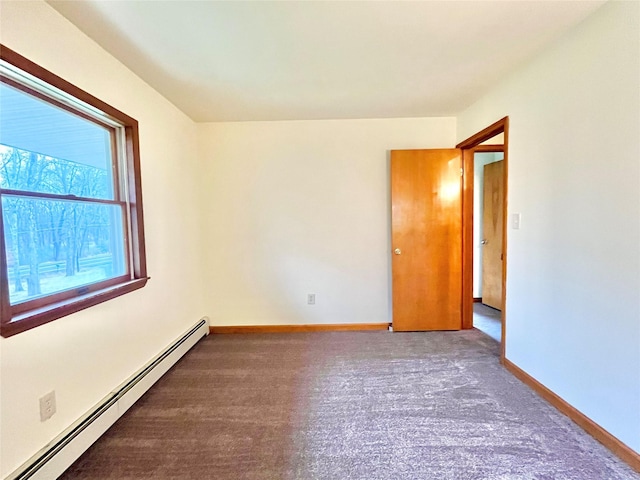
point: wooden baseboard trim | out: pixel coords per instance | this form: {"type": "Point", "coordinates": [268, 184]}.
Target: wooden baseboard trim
{"type": "Point", "coordinates": [332, 327]}
{"type": "Point", "coordinates": [624, 452]}
{"type": "Point", "coordinates": [477, 299]}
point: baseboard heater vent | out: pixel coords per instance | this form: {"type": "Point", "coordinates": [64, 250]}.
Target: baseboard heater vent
{"type": "Point", "coordinates": [50, 462]}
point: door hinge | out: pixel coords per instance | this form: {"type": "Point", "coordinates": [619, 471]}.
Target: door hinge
{"type": "Point", "coordinates": [462, 172]}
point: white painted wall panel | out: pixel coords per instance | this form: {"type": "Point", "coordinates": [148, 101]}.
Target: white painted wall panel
{"type": "Point", "coordinates": [303, 207]}
{"type": "Point", "coordinates": [573, 286]}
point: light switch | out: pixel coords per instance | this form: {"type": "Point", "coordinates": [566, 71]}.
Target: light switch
{"type": "Point", "coordinates": [515, 221]}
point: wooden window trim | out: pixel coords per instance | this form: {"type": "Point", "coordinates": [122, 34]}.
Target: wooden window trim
{"type": "Point", "coordinates": [54, 311]}
{"type": "Point", "coordinates": [16, 319]}
{"type": "Point", "coordinates": [23, 308]}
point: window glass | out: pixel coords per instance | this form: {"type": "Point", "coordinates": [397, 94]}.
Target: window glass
{"type": "Point", "coordinates": [48, 149]}
{"type": "Point", "coordinates": [53, 246]}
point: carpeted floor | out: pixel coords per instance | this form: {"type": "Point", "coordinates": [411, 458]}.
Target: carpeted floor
{"type": "Point", "coordinates": [488, 320]}
{"type": "Point", "coordinates": [345, 405]}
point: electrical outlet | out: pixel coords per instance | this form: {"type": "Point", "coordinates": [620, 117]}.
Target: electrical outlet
{"type": "Point", "coordinates": [311, 299]}
{"type": "Point", "coordinates": [47, 406]}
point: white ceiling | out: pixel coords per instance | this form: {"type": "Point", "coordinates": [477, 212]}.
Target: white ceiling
{"type": "Point", "coordinates": [295, 60]}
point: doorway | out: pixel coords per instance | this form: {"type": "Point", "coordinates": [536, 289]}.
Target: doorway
{"type": "Point", "coordinates": [493, 139]}
{"type": "Point", "coordinates": [410, 312]}
{"type": "Point", "coordinates": [487, 239]}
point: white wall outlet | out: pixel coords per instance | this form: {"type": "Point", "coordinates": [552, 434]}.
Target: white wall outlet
{"type": "Point", "coordinates": [47, 406]}
{"type": "Point", "coordinates": [311, 299]}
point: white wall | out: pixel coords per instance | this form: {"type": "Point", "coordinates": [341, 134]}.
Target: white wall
{"type": "Point", "coordinates": [573, 286]}
{"type": "Point", "coordinates": [480, 159]}
{"type": "Point", "coordinates": [303, 207]}
{"type": "Point", "coordinates": [83, 356]}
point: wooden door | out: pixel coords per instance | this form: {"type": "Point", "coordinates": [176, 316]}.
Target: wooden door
{"type": "Point", "coordinates": [493, 203]}
{"type": "Point", "coordinates": [426, 236]}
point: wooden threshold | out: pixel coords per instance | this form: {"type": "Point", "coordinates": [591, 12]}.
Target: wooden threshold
{"type": "Point", "coordinates": [477, 299]}
{"type": "Point", "coordinates": [329, 327]}
{"type": "Point", "coordinates": [624, 452]}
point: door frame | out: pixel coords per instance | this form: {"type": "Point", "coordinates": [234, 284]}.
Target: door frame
{"type": "Point", "coordinates": [469, 147]}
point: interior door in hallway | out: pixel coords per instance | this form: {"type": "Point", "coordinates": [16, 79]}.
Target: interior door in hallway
{"type": "Point", "coordinates": [492, 254]}
{"type": "Point", "coordinates": [426, 235]}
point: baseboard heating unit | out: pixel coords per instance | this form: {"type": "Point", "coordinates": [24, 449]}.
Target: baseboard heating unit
{"type": "Point", "coordinates": [50, 462]}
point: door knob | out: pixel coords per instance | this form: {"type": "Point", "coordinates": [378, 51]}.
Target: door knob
{"type": "Point", "coordinates": [397, 251]}
{"type": "Point", "coordinates": [484, 242]}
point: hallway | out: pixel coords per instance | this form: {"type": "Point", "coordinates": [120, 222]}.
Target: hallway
{"type": "Point", "coordinates": [488, 321]}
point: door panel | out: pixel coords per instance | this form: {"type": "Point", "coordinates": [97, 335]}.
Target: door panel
{"type": "Point", "coordinates": [492, 205]}
{"type": "Point", "coordinates": [426, 234]}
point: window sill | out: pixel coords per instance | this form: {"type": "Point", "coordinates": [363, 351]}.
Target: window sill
{"type": "Point", "coordinates": [40, 316]}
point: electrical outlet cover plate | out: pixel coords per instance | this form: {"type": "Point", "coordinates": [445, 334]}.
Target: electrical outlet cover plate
{"type": "Point", "coordinates": [47, 406]}
{"type": "Point", "coordinates": [515, 221]}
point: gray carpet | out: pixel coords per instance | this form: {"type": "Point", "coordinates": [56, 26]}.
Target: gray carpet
{"type": "Point", "coordinates": [345, 405]}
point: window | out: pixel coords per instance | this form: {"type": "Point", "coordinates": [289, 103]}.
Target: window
{"type": "Point", "coordinates": [71, 232]}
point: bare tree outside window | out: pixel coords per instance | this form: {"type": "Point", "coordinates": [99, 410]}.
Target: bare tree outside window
{"type": "Point", "coordinates": [49, 240]}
